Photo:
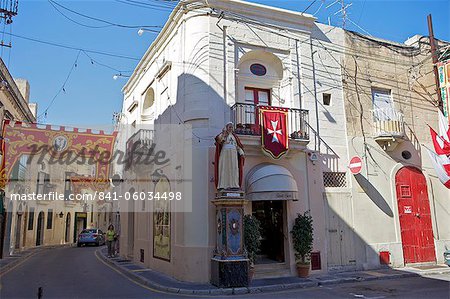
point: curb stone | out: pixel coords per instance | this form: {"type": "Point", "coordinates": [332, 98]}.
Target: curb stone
{"type": "Point", "coordinates": [259, 289]}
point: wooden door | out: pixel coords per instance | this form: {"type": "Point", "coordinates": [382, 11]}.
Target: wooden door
{"type": "Point", "coordinates": [40, 229]}
{"type": "Point", "coordinates": [341, 249]}
{"type": "Point", "coordinates": [415, 216]}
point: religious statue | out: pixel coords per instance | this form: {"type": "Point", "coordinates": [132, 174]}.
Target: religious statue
{"type": "Point", "coordinates": [229, 161]}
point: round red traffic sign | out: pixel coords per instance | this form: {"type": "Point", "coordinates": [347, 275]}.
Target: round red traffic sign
{"type": "Point", "coordinates": [355, 165]}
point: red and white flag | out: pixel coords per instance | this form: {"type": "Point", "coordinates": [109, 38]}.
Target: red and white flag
{"type": "Point", "coordinates": [441, 164]}
{"type": "Point", "coordinates": [274, 136]}
{"type": "Point", "coordinates": [441, 146]}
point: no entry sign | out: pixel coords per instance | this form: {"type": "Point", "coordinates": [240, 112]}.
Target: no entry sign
{"type": "Point", "coordinates": [355, 165]}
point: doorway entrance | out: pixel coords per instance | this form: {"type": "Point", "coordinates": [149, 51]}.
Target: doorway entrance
{"type": "Point", "coordinates": [415, 216]}
{"type": "Point", "coordinates": [79, 225]}
{"type": "Point", "coordinates": [67, 234]}
{"type": "Point", "coordinates": [40, 229]}
{"type": "Point", "coordinates": [18, 230]}
{"type": "Point", "coordinates": [270, 215]}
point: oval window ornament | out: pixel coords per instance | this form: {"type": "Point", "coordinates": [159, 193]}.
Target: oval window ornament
{"type": "Point", "coordinates": [258, 69]}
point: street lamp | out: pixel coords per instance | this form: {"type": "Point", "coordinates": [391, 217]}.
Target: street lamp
{"type": "Point", "coordinates": [120, 75]}
{"type": "Point", "coordinates": [142, 30]}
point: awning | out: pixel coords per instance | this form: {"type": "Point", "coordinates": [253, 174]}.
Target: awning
{"type": "Point", "coordinates": [271, 182]}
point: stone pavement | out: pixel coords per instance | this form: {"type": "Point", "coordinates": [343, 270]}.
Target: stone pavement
{"type": "Point", "coordinates": [159, 281]}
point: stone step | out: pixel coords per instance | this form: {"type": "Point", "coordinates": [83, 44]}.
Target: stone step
{"type": "Point", "coordinates": [272, 270]}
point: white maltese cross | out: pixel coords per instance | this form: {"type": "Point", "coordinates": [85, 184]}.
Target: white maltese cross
{"type": "Point", "coordinates": [274, 131]}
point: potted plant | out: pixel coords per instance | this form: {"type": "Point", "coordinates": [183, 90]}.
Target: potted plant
{"type": "Point", "coordinates": [302, 237]}
{"type": "Point", "coordinates": [252, 240]}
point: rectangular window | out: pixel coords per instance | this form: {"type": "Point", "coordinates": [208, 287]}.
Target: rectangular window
{"type": "Point", "coordinates": [31, 219]}
{"type": "Point", "coordinates": [68, 184]}
{"type": "Point", "coordinates": [49, 218]}
{"type": "Point", "coordinates": [382, 105]}
{"type": "Point", "coordinates": [40, 182]}
{"type": "Point", "coordinates": [326, 99]}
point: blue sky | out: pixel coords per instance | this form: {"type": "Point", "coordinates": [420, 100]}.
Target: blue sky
{"type": "Point", "coordinates": [90, 95]}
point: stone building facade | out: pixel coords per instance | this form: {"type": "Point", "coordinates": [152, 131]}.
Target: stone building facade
{"type": "Point", "coordinates": [199, 73]}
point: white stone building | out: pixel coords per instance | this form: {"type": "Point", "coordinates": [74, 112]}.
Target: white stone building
{"type": "Point", "coordinates": [203, 70]}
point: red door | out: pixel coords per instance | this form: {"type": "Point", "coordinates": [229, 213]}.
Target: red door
{"type": "Point", "coordinates": [415, 216]}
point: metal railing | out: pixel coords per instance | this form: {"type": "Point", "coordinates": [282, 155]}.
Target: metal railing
{"type": "Point", "coordinates": [245, 117]}
{"type": "Point", "coordinates": [388, 122]}
{"type": "Point", "coordinates": [143, 137]}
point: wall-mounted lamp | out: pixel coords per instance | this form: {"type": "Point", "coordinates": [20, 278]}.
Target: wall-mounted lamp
{"type": "Point", "coordinates": [61, 215]}
{"type": "Point", "coordinates": [142, 30]}
{"type": "Point", "coordinates": [120, 75]}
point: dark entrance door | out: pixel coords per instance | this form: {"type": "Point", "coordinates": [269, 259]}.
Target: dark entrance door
{"type": "Point", "coordinates": [67, 234]}
{"type": "Point", "coordinates": [415, 216]}
{"type": "Point", "coordinates": [270, 215]}
{"type": "Point", "coordinates": [80, 224]}
{"type": "Point", "coordinates": [40, 229]}
{"type": "Point", "coordinates": [18, 231]}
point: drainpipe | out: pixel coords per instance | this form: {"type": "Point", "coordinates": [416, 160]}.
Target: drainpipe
{"type": "Point", "coordinates": [298, 75]}
{"type": "Point", "coordinates": [315, 96]}
{"type": "Point", "coordinates": [225, 69]}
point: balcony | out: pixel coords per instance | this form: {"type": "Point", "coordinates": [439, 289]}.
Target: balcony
{"type": "Point", "coordinates": [139, 148]}
{"type": "Point", "coordinates": [389, 127]}
{"type": "Point", "coordinates": [246, 120]}
{"type": "Point", "coordinates": [140, 139]}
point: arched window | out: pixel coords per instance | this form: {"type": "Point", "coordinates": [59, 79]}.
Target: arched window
{"type": "Point", "coordinates": [149, 100]}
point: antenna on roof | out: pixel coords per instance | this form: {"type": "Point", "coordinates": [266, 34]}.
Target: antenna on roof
{"type": "Point", "coordinates": [342, 11]}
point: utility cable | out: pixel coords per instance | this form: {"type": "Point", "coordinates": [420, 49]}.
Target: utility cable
{"type": "Point", "coordinates": [71, 47]}
{"type": "Point", "coordinates": [63, 86]}
{"type": "Point", "coordinates": [54, 4]}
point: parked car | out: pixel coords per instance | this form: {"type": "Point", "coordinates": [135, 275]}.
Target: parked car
{"type": "Point", "coordinates": [447, 257]}
{"type": "Point", "coordinates": [91, 236]}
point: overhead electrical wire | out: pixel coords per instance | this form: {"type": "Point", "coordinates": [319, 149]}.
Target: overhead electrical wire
{"type": "Point", "coordinates": [72, 20]}
{"type": "Point", "coordinates": [314, 1]}
{"type": "Point", "coordinates": [71, 47]}
{"type": "Point", "coordinates": [158, 4]}
{"type": "Point", "coordinates": [62, 88]}
{"type": "Point", "coordinates": [109, 23]}
{"type": "Point", "coordinates": [94, 61]}
{"type": "Point", "coordinates": [144, 5]}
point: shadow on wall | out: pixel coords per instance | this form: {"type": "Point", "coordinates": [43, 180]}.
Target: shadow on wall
{"type": "Point", "coordinates": [374, 195]}
{"type": "Point", "coordinates": [199, 105]}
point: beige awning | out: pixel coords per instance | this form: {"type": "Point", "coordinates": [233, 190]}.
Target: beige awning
{"type": "Point", "coordinates": [271, 182]}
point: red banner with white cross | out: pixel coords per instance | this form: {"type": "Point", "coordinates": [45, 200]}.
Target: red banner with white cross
{"type": "Point", "coordinates": [274, 130]}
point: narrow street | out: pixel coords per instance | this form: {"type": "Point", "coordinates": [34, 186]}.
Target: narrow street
{"type": "Point", "coordinates": [78, 273]}
{"type": "Point", "coordinates": [69, 273]}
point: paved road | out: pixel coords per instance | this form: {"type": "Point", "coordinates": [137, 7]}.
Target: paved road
{"type": "Point", "coordinates": [77, 273]}
{"type": "Point", "coordinates": [69, 273]}
{"type": "Point", "coordinates": [436, 287]}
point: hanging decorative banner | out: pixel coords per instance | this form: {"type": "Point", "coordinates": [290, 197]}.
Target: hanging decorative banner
{"type": "Point", "coordinates": [64, 145]}
{"type": "Point", "coordinates": [274, 135]}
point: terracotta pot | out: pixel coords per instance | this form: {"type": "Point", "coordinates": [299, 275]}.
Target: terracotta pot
{"type": "Point", "coordinates": [303, 270]}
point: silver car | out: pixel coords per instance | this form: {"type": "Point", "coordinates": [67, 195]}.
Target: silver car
{"type": "Point", "coordinates": [91, 236]}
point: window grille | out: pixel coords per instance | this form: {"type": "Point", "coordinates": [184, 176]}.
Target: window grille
{"type": "Point", "coordinates": [334, 179]}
